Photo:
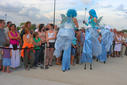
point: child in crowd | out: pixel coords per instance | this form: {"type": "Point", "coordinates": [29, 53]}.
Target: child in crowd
{"type": "Point", "coordinates": [37, 44]}
{"type": "Point", "coordinates": [6, 57]}
{"type": "Point", "coordinates": [73, 50]}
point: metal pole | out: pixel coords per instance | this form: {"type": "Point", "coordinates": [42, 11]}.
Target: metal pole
{"type": "Point", "coordinates": [5, 17]}
{"type": "Point", "coordinates": [85, 12]}
{"type": "Point", "coordinates": [54, 18]}
{"type": "Point", "coordinates": [45, 54]}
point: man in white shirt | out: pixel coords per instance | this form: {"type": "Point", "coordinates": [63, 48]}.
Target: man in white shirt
{"type": "Point", "coordinates": [7, 29]}
{"type": "Point", "coordinates": [3, 38]}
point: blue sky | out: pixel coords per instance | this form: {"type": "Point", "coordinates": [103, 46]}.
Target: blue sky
{"type": "Point", "coordinates": [114, 12]}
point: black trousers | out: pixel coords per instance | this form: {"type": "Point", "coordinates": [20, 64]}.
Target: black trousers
{"type": "Point", "coordinates": [42, 53]}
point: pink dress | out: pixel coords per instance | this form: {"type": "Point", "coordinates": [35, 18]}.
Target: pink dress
{"type": "Point", "coordinates": [14, 41]}
{"type": "Point", "coordinates": [15, 59]}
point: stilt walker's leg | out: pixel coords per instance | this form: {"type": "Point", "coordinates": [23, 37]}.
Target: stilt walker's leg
{"type": "Point", "coordinates": [85, 67]}
{"type": "Point", "coordinates": [90, 66]}
{"type": "Point", "coordinates": [90, 61]}
{"type": "Point", "coordinates": [104, 62]}
{"type": "Point", "coordinates": [69, 58]}
{"type": "Point", "coordinates": [64, 61]}
{"type": "Point", "coordinates": [97, 59]}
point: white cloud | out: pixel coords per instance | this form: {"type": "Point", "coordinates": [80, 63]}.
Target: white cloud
{"type": "Point", "coordinates": [34, 9]}
{"type": "Point", "coordinates": [86, 1]}
{"type": "Point", "coordinates": [39, 11]}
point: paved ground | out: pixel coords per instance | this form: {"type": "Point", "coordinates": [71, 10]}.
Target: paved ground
{"type": "Point", "coordinates": [114, 72]}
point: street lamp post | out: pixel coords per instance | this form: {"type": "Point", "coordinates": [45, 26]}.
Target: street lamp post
{"type": "Point", "coordinates": [5, 17]}
{"type": "Point", "coordinates": [85, 12]}
{"type": "Point", "coordinates": [54, 18]}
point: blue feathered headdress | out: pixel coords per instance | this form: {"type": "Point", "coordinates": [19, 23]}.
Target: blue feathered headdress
{"type": "Point", "coordinates": [92, 12]}
{"type": "Point", "coordinates": [72, 13]}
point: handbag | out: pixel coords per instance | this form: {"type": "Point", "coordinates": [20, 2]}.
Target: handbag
{"type": "Point", "coordinates": [14, 47]}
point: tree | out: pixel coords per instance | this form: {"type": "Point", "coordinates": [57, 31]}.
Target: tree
{"type": "Point", "coordinates": [21, 24]}
{"type": "Point", "coordinates": [18, 28]}
{"type": "Point", "coordinates": [33, 27]}
{"type": "Point", "coordinates": [124, 31]}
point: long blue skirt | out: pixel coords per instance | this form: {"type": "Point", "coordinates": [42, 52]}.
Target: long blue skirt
{"type": "Point", "coordinates": [103, 56]}
{"type": "Point", "coordinates": [87, 52]}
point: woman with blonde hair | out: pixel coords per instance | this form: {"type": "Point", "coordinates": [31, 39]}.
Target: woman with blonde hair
{"type": "Point", "coordinates": [28, 25]}
{"type": "Point", "coordinates": [27, 51]}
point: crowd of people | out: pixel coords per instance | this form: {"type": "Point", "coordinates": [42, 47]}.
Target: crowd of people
{"type": "Point", "coordinates": [48, 44]}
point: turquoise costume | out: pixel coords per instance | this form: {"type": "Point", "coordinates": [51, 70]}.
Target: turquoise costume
{"type": "Point", "coordinates": [65, 37]}
{"type": "Point", "coordinates": [92, 46]}
{"type": "Point", "coordinates": [106, 42]}
{"type": "Point", "coordinates": [91, 21]}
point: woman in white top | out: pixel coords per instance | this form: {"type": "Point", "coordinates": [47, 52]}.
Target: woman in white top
{"type": "Point", "coordinates": [123, 48]}
{"type": "Point", "coordinates": [118, 44]}
{"type": "Point", "coordinates": [50, 39]}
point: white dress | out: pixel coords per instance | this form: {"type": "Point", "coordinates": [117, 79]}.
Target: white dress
{"type": "Point", "coordinates": [15, 58]}
{"type": "Point", "coordinates": [118, 44]}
